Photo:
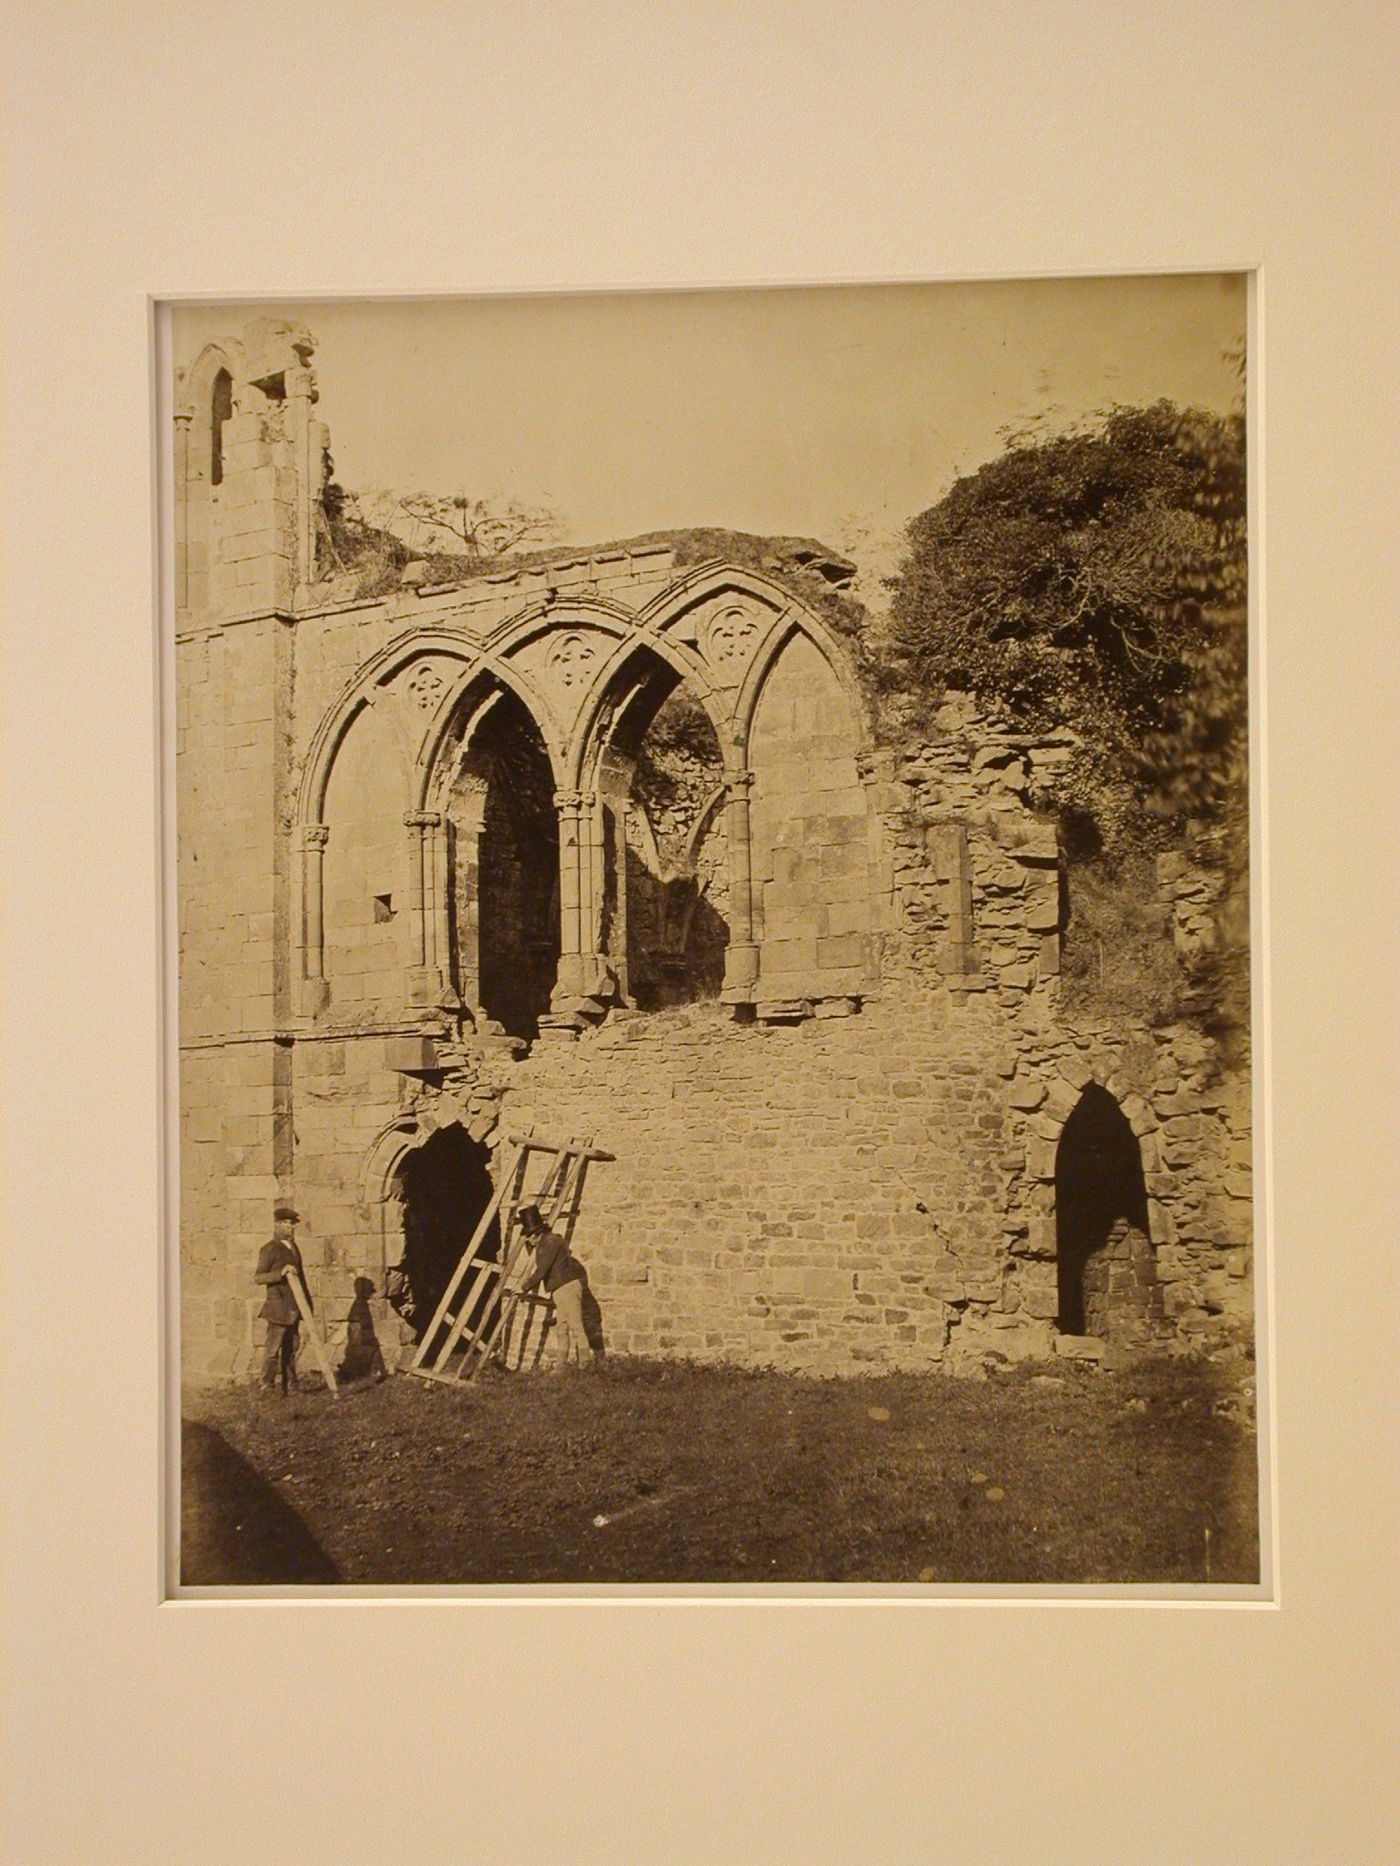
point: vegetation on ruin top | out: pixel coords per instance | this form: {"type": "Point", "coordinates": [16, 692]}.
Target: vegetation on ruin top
{"type": "Point", "coordinates": [1098, 580]}
{"type": "Point", "coordinates": [365, 544]}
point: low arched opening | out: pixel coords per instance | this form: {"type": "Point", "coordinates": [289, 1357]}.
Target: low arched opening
{"type": "Point", "coordinates": [443, 1189]}
{"type": "Point", "coordinates": [1106, 1267]}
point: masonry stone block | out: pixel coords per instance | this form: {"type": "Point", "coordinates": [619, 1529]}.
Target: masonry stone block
{"type": "Point", "coordinates": [1040, 1160]}
{"type": "Point", "coordinates": [1026, 1092]}
{"type": "Point", "coordinates": [1076, 1071]}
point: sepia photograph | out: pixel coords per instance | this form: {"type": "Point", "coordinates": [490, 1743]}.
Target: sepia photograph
{"type": "Point", "coordinates": [698, 900]}
{"type": "Point", "coordinates": [713, 885]}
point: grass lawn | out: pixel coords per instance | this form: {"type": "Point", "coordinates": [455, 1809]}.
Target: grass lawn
{"type": "Point", "coordinates": [1059, 1473]}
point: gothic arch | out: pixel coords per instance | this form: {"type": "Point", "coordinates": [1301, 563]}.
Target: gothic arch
{"type": "Point", "coordinates": [546, 613]}
{"type": "Point", "coordinates": [826, 644]}
{"type": "Point", "coordinates": [385, 1154]}
{"type": "Point", "coordinates": [1105, 1270]}
{"type": "Point", "coordinates": [490, 829]}
{"type": "Point", "coordinates": [427, 1207]}
{"type": "Point", "coordinates": [196, 491]}
{"type": "Point", "coordinates": [576, 709]}
{"type": "Point", "coordinates": [484, 682]}
{"type": "Point", "coordinates": [429, 929]}
{"type": "Point", "coordinates": [588, 744]}
{"type": "Point", "coordinates": [714, 577]}
{"type": "Point", "coordinates": [378, 673]}
{"type": "Point", "coordinates": [658, 927]}
{"type": "Point", "coordinates": [788, 614]}
{"type": "Point", "coordinates": [1115, 1187]}
{"type": "Point", "coordinates": [196, 382]}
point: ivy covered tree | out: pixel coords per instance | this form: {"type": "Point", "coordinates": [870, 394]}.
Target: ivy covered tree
{"type": "Point", "coordinates": [1097, 580]}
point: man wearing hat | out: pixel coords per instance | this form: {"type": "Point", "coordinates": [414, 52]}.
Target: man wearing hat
{"type": "Point", "coordinates": [278, 1259]}
{"type": "Point", "coordinates": [562, 1278]}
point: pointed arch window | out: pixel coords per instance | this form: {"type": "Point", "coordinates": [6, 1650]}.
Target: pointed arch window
{"type": "Point", "coordinates": [220, 409]}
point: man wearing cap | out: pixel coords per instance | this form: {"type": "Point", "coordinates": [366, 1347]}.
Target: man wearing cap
{"type": "Point", "coordinates": [563, 1280]}
{"type": "Point", "coordinates": [278, 1258]}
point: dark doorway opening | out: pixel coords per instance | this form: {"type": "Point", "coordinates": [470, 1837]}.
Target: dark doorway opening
{"type": "Point", "coordinates": [669, 867]}
{"type": "Point", "coordinates": [512, 863]}
{"type": "Point", "coordinates": [1106, 1270]}
{"type": "Point", "coordinates": [446, 1187]}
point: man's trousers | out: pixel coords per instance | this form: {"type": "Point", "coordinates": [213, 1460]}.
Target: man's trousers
{"type": "Point", "coordinates": [280, 1351]}
{"type": "Point", "coordinates": [570, 1342]}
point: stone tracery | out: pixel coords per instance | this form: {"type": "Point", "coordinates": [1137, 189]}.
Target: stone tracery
{"type": "Point", "coordinates": [590, 709]}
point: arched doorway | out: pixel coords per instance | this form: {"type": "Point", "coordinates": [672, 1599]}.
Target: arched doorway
{"type": "Point", "coordinates": [505, 869]}
{"type": "Point", "coordinates": [1105, 1264]}
{"type": "Point", "coordinates": [658, 913]}
{"type": "Point", "coordinates": [677, 876]}
{"type": "Point", "coordinates": [445, 1186]}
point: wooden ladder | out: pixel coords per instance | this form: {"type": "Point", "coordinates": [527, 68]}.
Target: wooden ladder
{"type": "Point", "coordinates": [473, 1320]}
{"type": "Point", "coordinates": [313, 1331]}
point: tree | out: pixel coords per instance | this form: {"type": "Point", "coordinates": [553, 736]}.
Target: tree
{"type": "Point", "coordinates": [375, 533]}
{"type": "Point", "coordinates": [480, 530]}
{"type": "Point", "coordinates": [1096, 580]}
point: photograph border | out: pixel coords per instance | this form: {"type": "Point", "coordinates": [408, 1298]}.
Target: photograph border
{"type": "Point", "coordinates": [1178, 1594]}
{"type": "Point", "coordinates": [1095, 142]}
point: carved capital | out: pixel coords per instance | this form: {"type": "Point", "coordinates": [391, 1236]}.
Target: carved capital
{"type": "Point", "coordinates": [740, 783]}
{"type": "Point", "coordinates": [565, 800]}
{"type": "Point", "coordinates": [422, 819]}
{"type": "Point", "coordinates": [315, 835]}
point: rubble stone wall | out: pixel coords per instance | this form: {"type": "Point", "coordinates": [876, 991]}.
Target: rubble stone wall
{"type": "Point", "coordinates": [871, 1186]}
{"type": "Point", "coordinates": [822, 1195]}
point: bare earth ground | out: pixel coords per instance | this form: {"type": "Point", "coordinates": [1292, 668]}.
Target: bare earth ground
{"type": "Point", "coordinates": [1060, 1474]}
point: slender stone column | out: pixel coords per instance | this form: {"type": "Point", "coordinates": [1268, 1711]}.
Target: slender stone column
{"type": "Point", "coordinates": [621, 813]}
{"type": "Point", "coordinates": [595, 863]}
{"type": "Point", "coordinates": [442, 902]}
{"type": "Point", "coordinates": [425, 979]}
{"type": "Point", "coordinates": [313, 991]}
{"type": "Point", "coordinates": [741, 960]}
{"type": "Point", "coordinates": [570, 982]}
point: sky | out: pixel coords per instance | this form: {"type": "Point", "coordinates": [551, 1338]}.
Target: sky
{"type": "Point", "coordinates": [836, 412]}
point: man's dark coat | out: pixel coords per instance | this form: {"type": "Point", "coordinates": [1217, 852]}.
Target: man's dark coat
{"type": "Point", "coordinates": [281, 1305]}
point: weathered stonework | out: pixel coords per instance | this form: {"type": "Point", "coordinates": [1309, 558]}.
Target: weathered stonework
{"type": "Point", "coordinates": [806, 991]}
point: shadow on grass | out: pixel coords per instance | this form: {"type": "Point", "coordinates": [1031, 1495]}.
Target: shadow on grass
{"type": "Point", "coordinates": [234, 1528]}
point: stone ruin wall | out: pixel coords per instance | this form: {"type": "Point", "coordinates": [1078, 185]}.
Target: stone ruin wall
{"type": "Point", "coordinates": [858, 1179]}
{"type": "Point", "coordinates": [869, 1186]}
{"type": "Point", "coordinates": [876, 1188]}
